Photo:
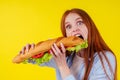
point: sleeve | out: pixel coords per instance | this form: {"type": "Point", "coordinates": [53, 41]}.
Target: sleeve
{"type": "Point", "coordinates": [97, 71]}
{"type": "Point", "coordinates": [77, 69]}
{"type": "Point", "coordinates": [70, 77]}
{"type": "Point", "coordinates": [51, 63]}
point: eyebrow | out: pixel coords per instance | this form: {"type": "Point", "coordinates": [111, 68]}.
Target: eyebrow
{"type": "Point", "coordinates": [66, 22]}
{"type": "Point", "coordinates": [75, 20]}
{"type": "Point", "coordinates": [78, 19]}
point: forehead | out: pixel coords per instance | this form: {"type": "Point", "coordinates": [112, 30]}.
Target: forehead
{"type": "Point", "coordinates": [72, 16]}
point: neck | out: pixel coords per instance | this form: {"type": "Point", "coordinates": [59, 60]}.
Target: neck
{"type": "Point", "coordinates": [81, 53]}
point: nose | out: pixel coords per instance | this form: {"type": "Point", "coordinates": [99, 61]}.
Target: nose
{"type": "Point", "coordinates": [76, 30]}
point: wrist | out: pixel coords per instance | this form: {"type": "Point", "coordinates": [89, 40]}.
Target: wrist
{"type": "Point", "coordinates": [65, 71]}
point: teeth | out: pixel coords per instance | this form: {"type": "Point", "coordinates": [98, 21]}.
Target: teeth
{"type": "Point", "coordinates": [77, 35]}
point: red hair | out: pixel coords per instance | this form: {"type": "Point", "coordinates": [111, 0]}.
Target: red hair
{"type": "Point", "coordinates": [95, 42]}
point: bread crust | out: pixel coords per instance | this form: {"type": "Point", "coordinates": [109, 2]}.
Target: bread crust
{"type": "Point", "coordinates": [44, 46]}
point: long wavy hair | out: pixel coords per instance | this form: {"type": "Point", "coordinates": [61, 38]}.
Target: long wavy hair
{"type": "Point", "coordinates": [95, 42]}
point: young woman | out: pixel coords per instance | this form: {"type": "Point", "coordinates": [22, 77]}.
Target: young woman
{"type": "Point", "coordinates": [97, 62]}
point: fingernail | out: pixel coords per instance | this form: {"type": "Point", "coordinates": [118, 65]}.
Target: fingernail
{"type": "Point", "coordinates": [54, 44]}
{"type": "Point", "coordinates": [32, 47]}
{"type": "Point", "coordinates": [61, 43]}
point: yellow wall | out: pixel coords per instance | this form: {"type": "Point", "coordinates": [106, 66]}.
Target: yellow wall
{"type": "Point", "coordinates": [30, 21]}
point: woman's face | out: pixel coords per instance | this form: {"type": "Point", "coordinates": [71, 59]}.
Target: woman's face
{"type": "Point", "coordinates": [75, 26]}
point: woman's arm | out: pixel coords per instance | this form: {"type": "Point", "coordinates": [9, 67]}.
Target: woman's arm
{"type": "Point", "coordinates": [60, 59]}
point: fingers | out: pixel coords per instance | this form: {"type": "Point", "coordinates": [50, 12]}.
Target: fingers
{"type": "Point", "coordinates": [27, 48]}
{"type": "Point", "coordinates": [62, 48]}
{"type": "Point", "coordinates": [32, 45]}
{"type": "Point", "coordinates": [56, 51]}
{"type": "Point", "coordinates": [58, 54]}
{"type": "Point", "coordinates": [51, 52]}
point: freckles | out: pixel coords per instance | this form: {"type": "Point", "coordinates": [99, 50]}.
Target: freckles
{"type": "Point", "coordinates": [68, 33]}
{"type": "Point", "coordinates": [86, 32]}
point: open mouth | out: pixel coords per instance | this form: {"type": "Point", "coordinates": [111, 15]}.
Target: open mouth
{"type": "Point", "coordinates": [81, 37]}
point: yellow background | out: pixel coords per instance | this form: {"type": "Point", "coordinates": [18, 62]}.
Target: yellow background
{"type": "Point", "coordinates": [30, 21]}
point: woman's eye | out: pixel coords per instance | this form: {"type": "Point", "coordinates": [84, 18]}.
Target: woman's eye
{"type": "Point", "coordinates": [68, 27]}
{"type": "Point", "coordinates": [79, 23]}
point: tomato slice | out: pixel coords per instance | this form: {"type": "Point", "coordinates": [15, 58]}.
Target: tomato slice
{"type": "Point", "coordinates": [38, 55]}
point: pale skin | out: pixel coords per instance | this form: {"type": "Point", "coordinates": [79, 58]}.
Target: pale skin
{"type": "Point", "coordinates": [74, 26]}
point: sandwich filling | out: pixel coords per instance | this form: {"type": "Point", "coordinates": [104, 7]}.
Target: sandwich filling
{"type": "Point", "coordinates": [45, 57]}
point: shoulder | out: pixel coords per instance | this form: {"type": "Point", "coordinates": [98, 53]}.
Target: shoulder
{"type": "Point", "coordinates": [107, 55]}
{"type": "Point", "coordinates": [102, 65]}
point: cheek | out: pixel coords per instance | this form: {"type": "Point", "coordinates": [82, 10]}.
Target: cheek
{"type": "Point", "coordinates": [85, 31]}
{"type": "Point", "coordinates": [68, 33]}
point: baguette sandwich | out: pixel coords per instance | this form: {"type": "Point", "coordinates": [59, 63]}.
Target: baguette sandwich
{"type": "Point", "coordinates": [41, 52]}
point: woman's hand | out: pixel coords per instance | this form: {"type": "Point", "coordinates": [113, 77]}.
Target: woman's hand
{"type": "Point", "coordinates": [59, 56]}
{"type": "Point", "coordinates": [27, 48]}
